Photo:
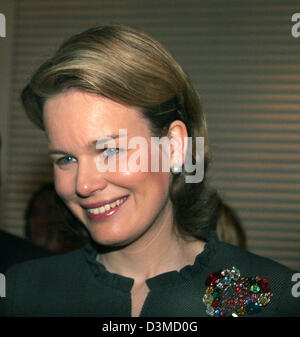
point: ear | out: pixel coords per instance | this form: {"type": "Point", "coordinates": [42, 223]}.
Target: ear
{"type": "Point", "coordinates": [177, 134]}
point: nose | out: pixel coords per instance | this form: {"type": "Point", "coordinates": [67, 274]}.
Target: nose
{"type": "Point", "coordinates": [89, 179]}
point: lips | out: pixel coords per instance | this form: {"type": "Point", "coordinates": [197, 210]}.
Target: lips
{"type": "Point", "coordinates": [105, 208]}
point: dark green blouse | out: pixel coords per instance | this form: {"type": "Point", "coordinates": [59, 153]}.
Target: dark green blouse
{"type": "Point", "coordinates": [75, 284]}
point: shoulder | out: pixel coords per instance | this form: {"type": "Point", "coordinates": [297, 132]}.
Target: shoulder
{"type": "Point", "coordinates": [45, 267]}
{"type": "Point", "coordinates": [250, 262]}
{"type": "Point", "coordinates": [280, 280]}
{"type": "Point", "coordinates": [14, 249]}
{"type": "Point", "coordinates": [52, 278]}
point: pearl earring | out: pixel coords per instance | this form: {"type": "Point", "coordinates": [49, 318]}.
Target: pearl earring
{"type": "Point", "coordinates": [176, 167]}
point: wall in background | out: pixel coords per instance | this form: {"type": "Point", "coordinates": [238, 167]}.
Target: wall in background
{"type": "Point", "coordinates": [6, 46]}
{"type": "Point", "coordinates": [246, 65]}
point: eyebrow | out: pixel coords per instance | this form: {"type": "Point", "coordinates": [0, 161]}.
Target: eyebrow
{"type": "Point", "coordinates": [91, 144]}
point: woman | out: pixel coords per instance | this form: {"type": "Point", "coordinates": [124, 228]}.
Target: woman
{"type": "Point", "coordinates": [152, 253]}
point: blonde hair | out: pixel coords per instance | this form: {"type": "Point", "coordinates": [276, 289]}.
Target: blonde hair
{"type": "Point", "coordinates": [132, 68]}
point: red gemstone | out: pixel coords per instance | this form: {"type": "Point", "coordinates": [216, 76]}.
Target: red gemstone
{"type": "Point", "coordinates": [213, 279]}
{"type": "Point", "coordinates": [216, 303]}
{"type": "Point", "coordinates": [264, 285]}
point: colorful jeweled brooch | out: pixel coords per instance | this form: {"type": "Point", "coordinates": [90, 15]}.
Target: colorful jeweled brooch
{"type": "Point", "coordinates": [229, 294]}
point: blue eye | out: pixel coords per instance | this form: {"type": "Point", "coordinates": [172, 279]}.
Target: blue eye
{"type": "Point", "coordinates": [110, 151]}
{"type": "Point", "coordinates": [65, 160]}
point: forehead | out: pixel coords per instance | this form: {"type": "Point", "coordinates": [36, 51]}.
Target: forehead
{"type": "Point", "coordinates": [84, 115]}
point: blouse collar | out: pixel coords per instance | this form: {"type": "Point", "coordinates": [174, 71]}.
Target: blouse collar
{"type": "Point", "coordinates": [166, 279]}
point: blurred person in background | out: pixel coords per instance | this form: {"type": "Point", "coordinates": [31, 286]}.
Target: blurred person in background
{"type": "Point", "coordinates": [50, 224]}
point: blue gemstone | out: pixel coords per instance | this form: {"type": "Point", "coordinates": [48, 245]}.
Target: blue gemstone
{"type": "Point", "coordinates": [226, 280]}
{"type": "Point", "coordinates": [253, 308]}
{"type": "Point", "coordinates": [218, 312]}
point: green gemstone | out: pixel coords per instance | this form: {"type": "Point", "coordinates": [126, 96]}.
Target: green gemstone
{"type": "Point", "coordinates": [255, 288]}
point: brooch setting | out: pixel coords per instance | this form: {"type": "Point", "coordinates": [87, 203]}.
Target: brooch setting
{"type": "Point", "coordinates": [229, 294]}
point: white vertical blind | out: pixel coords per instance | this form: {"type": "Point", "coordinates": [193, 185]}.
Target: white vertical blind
{"type": "Point", "coordinates": [246, 66]}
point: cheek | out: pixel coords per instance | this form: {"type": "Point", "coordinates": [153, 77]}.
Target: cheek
{"type": "Point", "coordinates": [64, 183]}
{"type": "Point", "coordinates": [149, 185]}
{"type": "Point", "coordinates": [159, 179]}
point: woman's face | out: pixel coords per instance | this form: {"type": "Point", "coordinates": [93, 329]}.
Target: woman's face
{"type": "Point", "coordinates": [116, 207]}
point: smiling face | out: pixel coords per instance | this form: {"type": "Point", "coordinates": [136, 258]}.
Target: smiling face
{"type": "Point", "coordinates": [116, 207]}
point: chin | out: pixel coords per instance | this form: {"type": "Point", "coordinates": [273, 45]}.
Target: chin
{"type": "Point", "coordinates": [111, 239]}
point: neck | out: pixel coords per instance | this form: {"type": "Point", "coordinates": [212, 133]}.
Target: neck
{"type": "Point", "coordinates": [158, 251]}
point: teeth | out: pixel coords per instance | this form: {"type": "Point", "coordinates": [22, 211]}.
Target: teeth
{"type": "Point", "coordinates": [106, 207]}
